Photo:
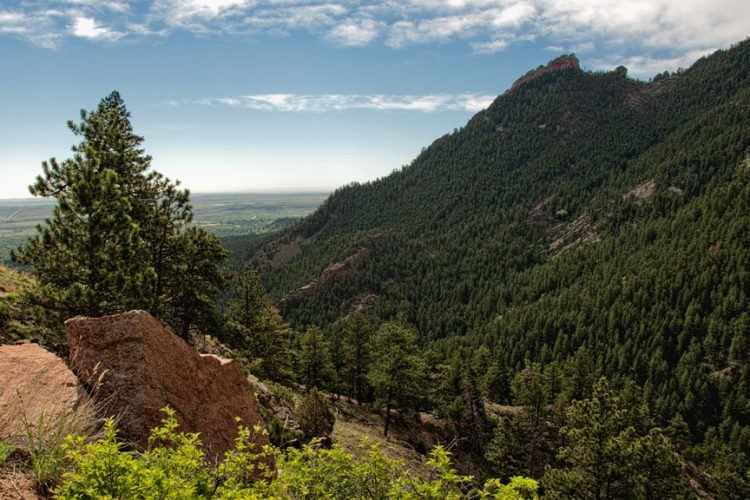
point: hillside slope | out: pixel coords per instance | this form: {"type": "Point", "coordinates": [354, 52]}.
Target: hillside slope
{"type": "Point", "coordinates": [583, 218]}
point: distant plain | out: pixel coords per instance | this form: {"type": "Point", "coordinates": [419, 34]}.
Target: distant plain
{"type": "Point", "coordinates": [227, 215]}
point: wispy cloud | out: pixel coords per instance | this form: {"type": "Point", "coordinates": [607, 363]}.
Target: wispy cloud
{"type": "Point", "coordinates": [86, 27]}
{"type": "Point", "coordinates": [665, 31]}
{"type": "Point", "coordinates": [320, 103]}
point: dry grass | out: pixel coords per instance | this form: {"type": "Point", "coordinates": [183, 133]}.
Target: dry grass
{"type": "Point", "coordinates": [38, 439]}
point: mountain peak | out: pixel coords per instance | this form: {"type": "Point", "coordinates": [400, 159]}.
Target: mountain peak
{"type": "Point", "coordinates": [562, 63]}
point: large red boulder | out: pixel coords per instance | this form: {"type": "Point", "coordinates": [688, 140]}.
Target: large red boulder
{"type": "Point", "coordinates": [136, 367]}
{"type": "Point", "coordinates": [35, 387]}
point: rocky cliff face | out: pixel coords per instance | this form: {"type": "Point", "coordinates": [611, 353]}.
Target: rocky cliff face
{"type": "Point", "coordinates": [562, 63]}
{"type": "Point", "coordinates": [136, 367]}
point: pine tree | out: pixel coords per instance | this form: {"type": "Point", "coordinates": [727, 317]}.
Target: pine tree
{"type": "Point", "coordinates": [108, 137]}
{"type": "Point", "coordinates": [531, 392]}
{"type": "Point", "coordinates": [316, 419]}
{"type": "Point", "coordinates": [496, 383]}
{"type": "Point", "coordinates": [255, 328]}
{"type": "Point", "coordinates": [116, 240]}
{"type": "Point", "coordinates": [475, 425]}
{"type": "Point", "coordinates": [168, 211]}
{"type": "Point", "coordinates": [195, 281]}
{"type": "Point", "coordinates": [86, 255]}
{"type": "Point", "coordinates": [314, 359]}
{"type": "Point", "coordinates": [358, 332]}
{"type": "Point", "coordinates": [396, 372]}
{"type": "Point", "coordinates": [606, 457]}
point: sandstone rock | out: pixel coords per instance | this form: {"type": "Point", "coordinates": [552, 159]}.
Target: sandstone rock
{"type": "Point", "coordinates": [137, 366]}
{"type": "Point", "coordinates": [34, 384]}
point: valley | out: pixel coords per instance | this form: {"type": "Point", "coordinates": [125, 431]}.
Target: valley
{"type": "Point", "coordinates": [227, 215]}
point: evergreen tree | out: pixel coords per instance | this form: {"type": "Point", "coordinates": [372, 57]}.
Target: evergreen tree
{"type": "Point", "coordinates": [475, 425]}
{"type": "Point", "coordinates": [166, 213]}
{"type": "Point", "coordinates": [314, 359]}
{"type": "Point", "coordinates": [195, 281]}
{"type": "Point", "coordinates": [255, 328]}
{"type": "Point", "coordinates": [496, 383]}
{"type": "Point", "coordinates": [358, 332]}
{"type": "Point", "coordinates": [86, 255]}
{"type": "Point", "coordinates": [605, 456]}
{"type": "Point", "coordinates": [116, 240]}
{"type": "Point", "coordinates": [532, 394]}
{"type": "Point", "coordinates": [316, 420]}
{"type": "Point", "coordinates": [396, 372]}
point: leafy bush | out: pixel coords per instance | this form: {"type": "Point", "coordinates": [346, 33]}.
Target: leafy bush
{"type": "Point", "coordinates": [315, 416]}
{"type": "Point", "coordinates": [174, 466]}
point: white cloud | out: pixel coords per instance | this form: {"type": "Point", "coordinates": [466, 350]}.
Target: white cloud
{"type": "Point", "coordinates": [656, 31]}
{"type": "Point", "coordinates": [490, 47]}
{"type": "Point", "coordinates": [319, 103]}
{"type": "Point", "coordinates": [114, 5]}
{"type": "Point", "coordinates": [36, 27]}
{"type": "Point", "coordinates": [650, 66]}
{"type": "Point", "coordinates": [86, 27]}
{"type": "Point", "coordinates": [182, 9]}
{"type": "Point", "coordinates": [355, 32]}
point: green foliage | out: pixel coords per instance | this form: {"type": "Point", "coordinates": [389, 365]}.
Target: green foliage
{"type": "Point", "coordinates": [254, 328]}
{"type": "Point", "coordinates": [314, 367]}
{"type": "Point", "coordinates": [316, 418]}
{"type": "Point", "coordinates": [173, 466]}
{"type": "Point", "coordinates": [6, 450]}
{"type": "Point", "coordinates": [518, 488]}
{"type": "Point", "coordinates": [608, 453]}
{"type": "Point", "coordinates": [397, 371]}
{"type": "Point", "coordinates": [116, 238]}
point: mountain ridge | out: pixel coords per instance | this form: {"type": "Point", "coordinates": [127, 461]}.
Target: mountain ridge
{"type": "Point", "coordinates": [562, 124]}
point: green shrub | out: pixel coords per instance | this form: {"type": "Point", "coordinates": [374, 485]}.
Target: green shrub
{"type": "Point", "coordinates": [280, 434]}
{"type": "Point", "coordinates": [316, 419]}
{"type": "Point", "coordinates": [174, 466]}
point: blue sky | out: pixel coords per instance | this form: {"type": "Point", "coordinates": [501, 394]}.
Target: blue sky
{"type": "Point", "coordinates": [285, 95]}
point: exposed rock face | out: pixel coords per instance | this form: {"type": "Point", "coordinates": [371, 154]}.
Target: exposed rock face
{"type": "Point", "coordinates": [280, 408]}
{"type": "Point", "coordinates": [350, 266]}
{"type": "Point", "coordinates": [34, 382]}
{"type": "Point", "coordinates": [562, 63]}
{"type": "Point", "coordinates": [137, 366]}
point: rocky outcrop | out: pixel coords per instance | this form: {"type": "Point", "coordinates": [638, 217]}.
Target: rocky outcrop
{"type": "Point", "coordinates": [278, 406]}
{"type": "Point", "coordinates": [350, 266]}
{"type": "Point", "coordinates": [641, 95]}
{"type": "Point", "coordinates": [562, 63]}
{"type": "Point", "coordinates": [34, 384]}
{"type": "Point", "coordinates": [642, 191]}
{"type": "Point", "coordinates": [136, 367]}
{"type": "Point", "coordinates": [579, 232]}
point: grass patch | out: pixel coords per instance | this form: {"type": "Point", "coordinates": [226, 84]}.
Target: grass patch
{"type": "Point", "coordinates": [6, 450]}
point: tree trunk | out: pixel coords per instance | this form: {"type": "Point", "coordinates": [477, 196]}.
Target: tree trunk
{"type": "Point", "coordinates": [387, 419]}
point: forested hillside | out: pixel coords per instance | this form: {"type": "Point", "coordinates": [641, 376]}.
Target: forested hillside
{"type": "Point", "coordinates": [588, 222]}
